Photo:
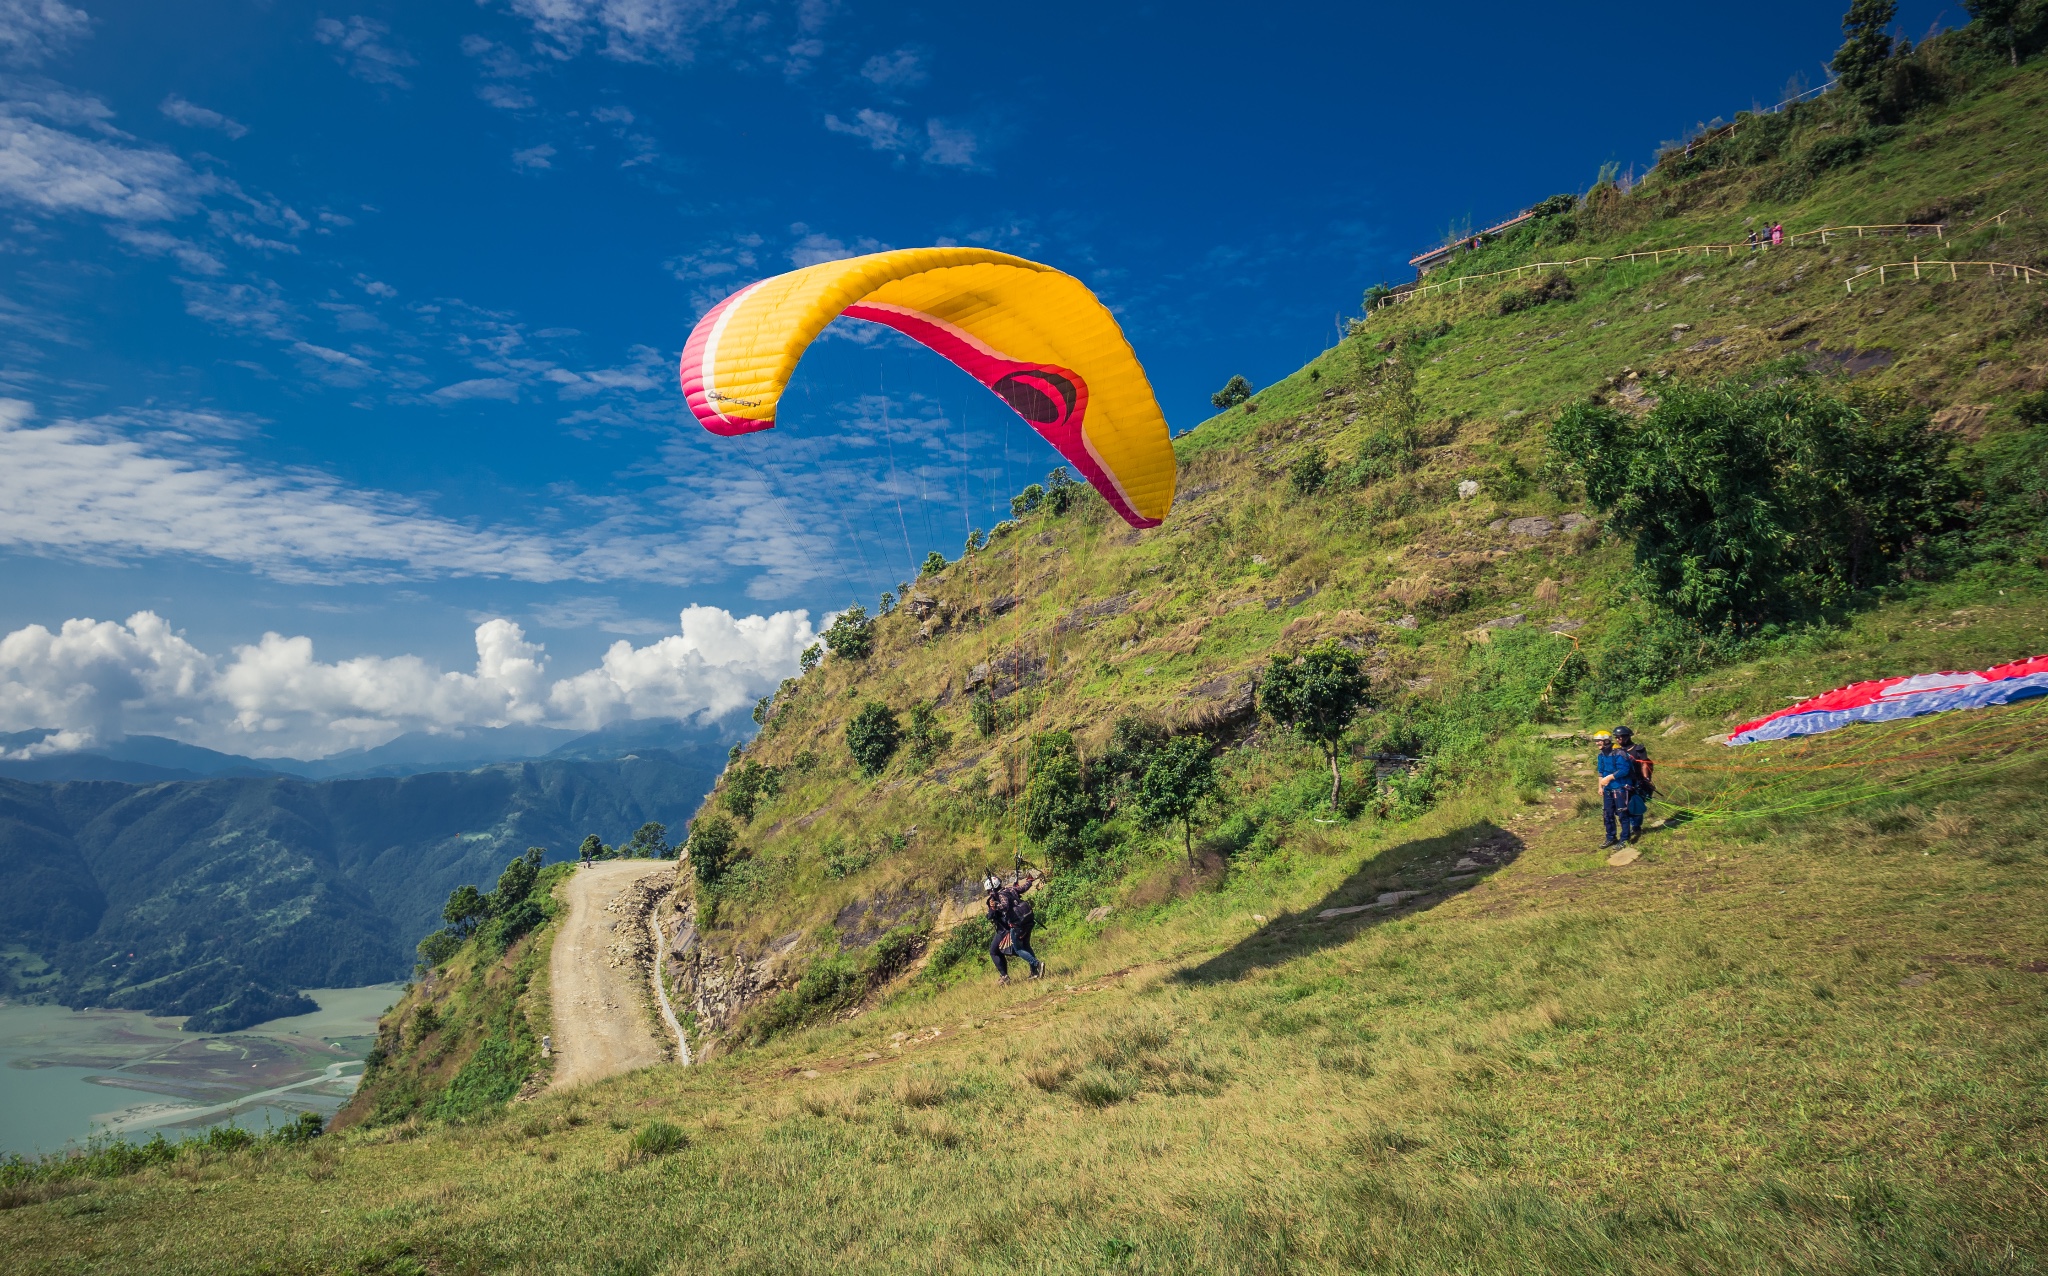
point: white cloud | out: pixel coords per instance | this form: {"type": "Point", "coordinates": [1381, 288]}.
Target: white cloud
{"type": "Point", "coordinates": [478, 388]}
{"type": "Point", "coordinates": [627, 30]}
{"type": "Point", "coordinates": [376, 288]}
{"type": "Point", "coordinates": [361, 45]}
{"type": "Point", "coordinates": [899, 70]}
{"type": "Point", "coordinates": [506, 97]}
{"type": "Point", "coordinates": [88, 490]}
{"type": "Point", "coordinates": [157, 243]}
{"type": "Point", "coordinates": [534, 158]}
{"type": "Point", "coordinates": [878, 129]}
{"type": "Point", "coordinates": [950, 147]}
{"type": "Point", "coordinates": [499, 65]}
{"type": "Point", "coordinates": [193, 115]}
{"type": "Point", "coordinates": [52, 171]}
{"type": "Point", "coordinates": [814, 247]}
{"type": "Point", "coordinates": [718, 261]}
{"type": "Point", "coordinates": [97, 680]}
{"type": "Point", "coordinates": [33, 30]}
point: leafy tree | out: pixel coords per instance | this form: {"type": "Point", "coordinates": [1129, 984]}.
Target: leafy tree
{"type": "Point", "coordinates": [1061, 490]}
{"type": "Point", "coordinates": [593, 848]}
{"type": "Point", "coordinates": [1056, 804]}
{"type": "Point", "coordinates": [810, 657]}
{"type": "Point", "coordinates": [650, 841]}
{"type": "Point", "coordinates": [1026, 501]}
{"type": "Point", "coordinates": [761, 707]}
{"type": "Point", "coordinates": [1376, 294]}
{"type": "Point", "coordinates": [1308, 472]}
{"type": "Point", "coordinates": [1866, 50]}
{"type": "Point", "coordinates": [872, 737]}
{"type": "Point", "coordinates": [516, 882]}
{"type": "Point", "coordinates": [1234, 391]}
{"type": "Point", "coordinates": [1179, 777]}
{"type": "Point", "coordinates": [712, 847]}
{"type": "Point", "coordinates": [928, 739]}
{"type": "Point", "coordinates": [1318, 693]}
{"type": "Point", "coordinates": [976, 541]}
{"type": "Point", "coordinates": [2006, 22]}
{"type": "Point", "coordinates": [466, 907]}
{"type": "Point", "coordinates": [748, 785]}
{"type": "Point", "coordinates": [513, 909]}
{"type": "Point", "coordinates": [887, 605]}
{"type": "Point", "coordinates": [1132, 741]}
{"type": "Point", "coordinates": [903, 589]}
{"type": "Point", "coordinates": [851, 635]}
{"type": "Point", "coordinates": [934, 563]}
{"type": "Point", "coordinates": [1752, 503]}
{"type": "Point", "coordinates": [437, 948]}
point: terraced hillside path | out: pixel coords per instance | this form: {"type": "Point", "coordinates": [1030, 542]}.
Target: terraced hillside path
{"type": "Point", "coordinates": [601, 1025]}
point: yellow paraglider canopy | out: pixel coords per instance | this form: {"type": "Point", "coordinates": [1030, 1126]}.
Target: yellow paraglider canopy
{"type": "Point", "coordinates": [1034, 335]}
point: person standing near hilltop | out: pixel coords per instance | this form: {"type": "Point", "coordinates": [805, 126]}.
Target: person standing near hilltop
{"type": "Point", "coordinates": [1614, 768]}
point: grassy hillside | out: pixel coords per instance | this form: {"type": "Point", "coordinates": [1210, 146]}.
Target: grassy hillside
{"type": "Point", "coordinates": [1427, 1028]}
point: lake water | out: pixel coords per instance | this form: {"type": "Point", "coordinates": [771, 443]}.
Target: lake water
{"type": "Point", "coordinates": [68, 1075]}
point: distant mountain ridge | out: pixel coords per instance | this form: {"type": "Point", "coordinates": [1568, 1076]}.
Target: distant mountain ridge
{"type": "Point", "coordinates": [145, 759]}
{"type": "Point", "coordinates": [219, 896]}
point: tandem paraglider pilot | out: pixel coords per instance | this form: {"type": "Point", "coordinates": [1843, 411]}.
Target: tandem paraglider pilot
{"type": "Point", "coordinates": [1621, 766]}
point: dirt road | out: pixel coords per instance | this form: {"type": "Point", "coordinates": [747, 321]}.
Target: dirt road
{"type": "Point", "coordinates": [601, 1024]}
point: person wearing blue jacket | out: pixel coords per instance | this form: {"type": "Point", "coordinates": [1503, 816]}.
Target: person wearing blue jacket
{"type": "Point", "coordinates": [1616, 770]}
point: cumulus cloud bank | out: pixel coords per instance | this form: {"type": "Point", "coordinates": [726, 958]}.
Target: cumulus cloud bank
{"type": "Point", "coordinates": [95, 680]}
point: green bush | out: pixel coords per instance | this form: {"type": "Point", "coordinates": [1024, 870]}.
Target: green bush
{"type": "Point", "coordinates": [851, 635]}
{"type": "Point", "coordinates": [927, 738]}
{"type": "Point", "coordinates": [713, 845]}
{"type": "Point", "coordinates": [1234, 391]}
{"type": "Point", "coordinates": [872, 736]}
{"type": "Point", "coordinates": [1307, 474]}
{"type": "Point", "coordinates": [1056, 806]}
{"type": "Point", "coordinates": [964, 942]}
{"type": "Point", "coordinates": [1762, 501]}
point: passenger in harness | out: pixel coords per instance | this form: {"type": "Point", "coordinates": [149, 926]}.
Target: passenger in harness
{"type": "Point", "coordinates": [1012, 916]}
{"type": "Point", "coordinates": [1616, 770]}
{"type": "Point", "coordinates": [1641, 788]}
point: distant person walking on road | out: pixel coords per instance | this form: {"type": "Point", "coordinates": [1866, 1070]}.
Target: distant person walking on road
{"type": "Point", "coordinates": [1013, 917]}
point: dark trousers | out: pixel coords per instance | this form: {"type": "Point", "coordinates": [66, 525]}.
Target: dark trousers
{"type": "Point", "coordinates": [1020, 946]}
{"type": "Point", "coordinates": [1618, 808]}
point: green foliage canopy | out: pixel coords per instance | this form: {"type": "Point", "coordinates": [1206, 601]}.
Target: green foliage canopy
{"type": "Point", "coordinates": [872, 737]}
{"type": "Point", "coordinates": [1753, 503]}
{"type": "Point", "coordinates": [713, 846]}
{"type": "Point", "coordinates": [1234, 391]}
{"type": "Point", "coordinates": [851, 635]}
{"type": "Point", "coordinates": [1056, 804]}
{"type": "Point", "coordinates": [1179, 777]}
{"type": "Point", "coordinates": [1318, 693]}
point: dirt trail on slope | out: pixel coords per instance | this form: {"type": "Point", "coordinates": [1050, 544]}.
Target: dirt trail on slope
{"type": "Point", "coordinates": [601, 1025]}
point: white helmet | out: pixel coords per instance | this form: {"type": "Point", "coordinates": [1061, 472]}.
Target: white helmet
{"type": "Point", "coordinates": [991, 884]}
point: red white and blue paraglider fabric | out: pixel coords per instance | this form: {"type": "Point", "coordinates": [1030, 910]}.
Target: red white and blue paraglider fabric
{"type": "Point", "coordinates": [1889, 699]}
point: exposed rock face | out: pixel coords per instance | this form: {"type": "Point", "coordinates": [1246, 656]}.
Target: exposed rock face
{"type": "Point", "coordinates": [1221, 705]}
{"type": "Point", "coordinates": [1090, 614]}
{"type": "Point", "coordinates": [1006, 673]}
{"type": "Point", "coordinates": [921, 604]}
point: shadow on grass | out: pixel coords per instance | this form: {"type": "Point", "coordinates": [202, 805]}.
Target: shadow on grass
{"type": "Point", "coordinates": [1424, 870]}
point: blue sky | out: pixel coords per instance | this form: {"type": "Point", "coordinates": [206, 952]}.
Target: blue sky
{"type": "Point", "coordinates": [356, 325]}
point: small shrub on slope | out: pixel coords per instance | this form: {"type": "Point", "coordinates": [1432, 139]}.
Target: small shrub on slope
{"type": "Point", "coordinates": [872, 737]}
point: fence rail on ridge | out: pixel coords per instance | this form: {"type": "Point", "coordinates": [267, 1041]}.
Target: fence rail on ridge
{"type": "Point", "coordinates": [1824, 235]}
{"type": "Point", "coordinates": [1992, 269]}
